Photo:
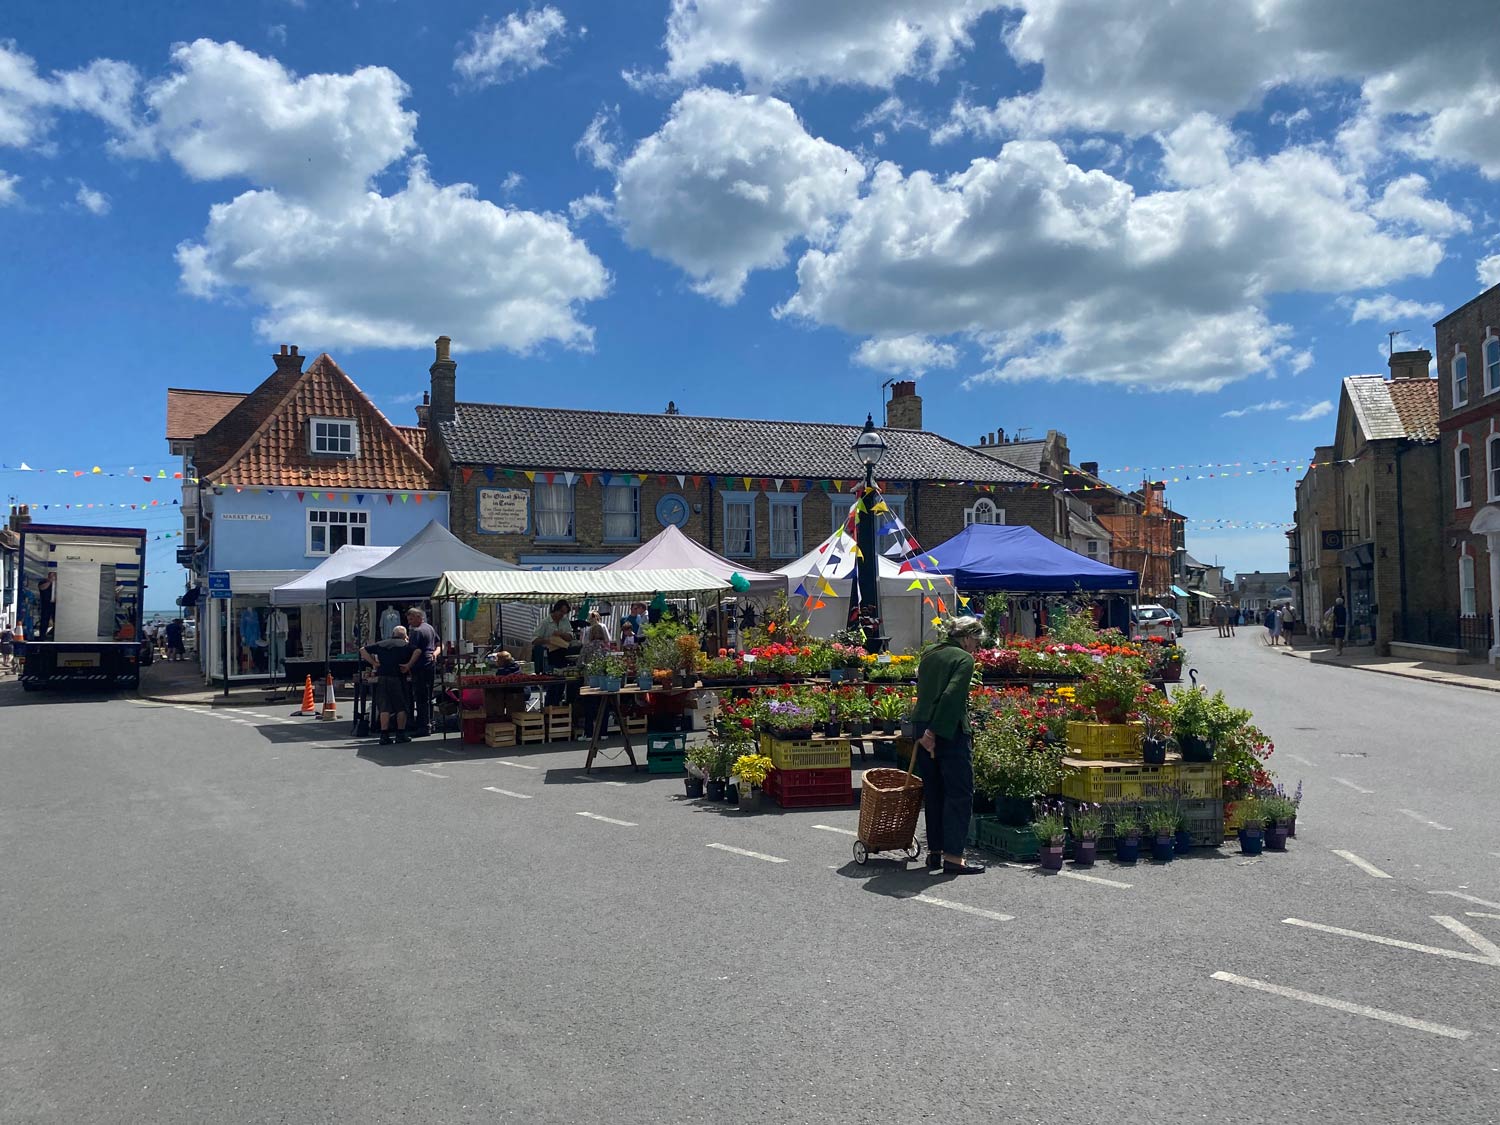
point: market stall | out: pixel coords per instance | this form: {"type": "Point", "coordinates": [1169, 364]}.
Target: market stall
{"type": "Point", "coordinates": [905, 603]}
{"type": "Point", "coordinates": [298, 610]}
{"type": "Point", "coordinates": [1023, 560]}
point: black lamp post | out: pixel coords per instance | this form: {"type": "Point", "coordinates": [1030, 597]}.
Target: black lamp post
{"type": "Point", "coordinates": [869, 447]}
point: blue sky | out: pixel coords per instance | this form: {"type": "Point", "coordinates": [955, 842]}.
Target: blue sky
{"type": "Point", "coordinates": [1123, 220]}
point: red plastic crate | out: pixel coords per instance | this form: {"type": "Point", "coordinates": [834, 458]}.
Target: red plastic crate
{"type": "Point", "coordinates": [473, 732]}
{"type": "Point", "coordinates": [802, 779]}
{"type": "Point", "coordinates": [792, 789]}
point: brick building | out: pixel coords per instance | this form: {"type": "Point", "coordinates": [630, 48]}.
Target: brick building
{"type": "Point", "coordinates": [1468, 348]}
{"type": "Point", "coordinates": [562, 488]}
{"type": "Point", "coordinates": [1369, 518]}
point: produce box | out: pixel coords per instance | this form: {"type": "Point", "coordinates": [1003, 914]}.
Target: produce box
{"type": "Point", "coordinates": [500, 734]}
{"type": "Point", "coordinates": [811, 789]}
{"type": "Point", "coordinates": [811, 754]}
{"type": "Point", "coordinates": [1003, 839]}
{"type": "Point", "coordinates": [1106, 741]}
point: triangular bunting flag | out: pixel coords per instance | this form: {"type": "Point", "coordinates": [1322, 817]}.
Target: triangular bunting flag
{"type": "Point", "coordinates": [489, 473]}
{"type": "Point", "coordinates": [820, 604]}
{"type": "Point", "coordinates": [467, 474]}
{"type": "Point", "coordinates": [681, 481]}
{"type": "Point", "coordinates": [418, 497]}
{"type": "Point", "coordinates": [588, 478]}
{"type": "Point", "coordinates": [299, 496]}
{"type": "Point", "coordinates": [359, 497]}
{"type": "Point", "coordinates": [404, 497]}
{"type": "Point", "coordinates": [390, 497]}
{"type": "Point", "coordinates": [530, 475]}
{"type": "Point", "coordinates": [800, 591]}
{"type": "Point", "coordinates": [916, 584]}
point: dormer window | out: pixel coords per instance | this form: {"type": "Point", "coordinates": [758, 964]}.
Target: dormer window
{"type": "Point", "coordinates": [333, 437]}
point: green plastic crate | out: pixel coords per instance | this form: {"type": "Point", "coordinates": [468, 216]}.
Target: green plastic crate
{"type": "Point", "coordinates": [1003, 839]}
{"type": "Point", "coordinates": [665, 761]}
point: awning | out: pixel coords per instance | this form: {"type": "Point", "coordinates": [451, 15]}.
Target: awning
{"type": "Point", "coordinates": [1204, 594]}
{"type": "Point", "coordinates": [1180, 592]}
{"type": "Point", "coordinates": [519, 585]}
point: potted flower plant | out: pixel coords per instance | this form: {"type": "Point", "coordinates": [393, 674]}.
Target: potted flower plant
{"type": "Point", "coordinates": [889, 709]}
{"type": "Point", "coordinates": [686, 659]}
{"type": "Point", "coordinates": [1161, 826]}
{"type": "Point", "coordinates": [1051, 830]}
{"type": "Point", "coordinates": [1009, 769]}
{"type": "Point", "coordinates": [613, 675]}
{"type": "Point", "coordinates": [854, 709]}
{"type": "Point", "coordinates": [750, 772]}
{"type": "Point", "coordinates": [699, 761]}
{"type": "Point", "coordinates": [1252, 826]}
{"type": "Point", "coordinates": [1113, 689]}
{"type": "Point", "coordinates": [1088, 823]}
{"type": "Point", "coordinates": [1278, 811]}
{"type": "Point", "coordinates": [1156, 714]}
{"type": "Point", "coordinates": [788, 721]}
{"type": "Point", "coordinates": [1126, 822]}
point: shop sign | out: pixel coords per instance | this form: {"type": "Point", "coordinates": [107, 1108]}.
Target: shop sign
{"type": "Point", "coordinates": [218, 584]}
{"type": "Point", "coordinates": [247, 517]}
{"type": "Point", "coordinates": [503, 511]}
{"type": "Point", "coordinates": [184, 556]}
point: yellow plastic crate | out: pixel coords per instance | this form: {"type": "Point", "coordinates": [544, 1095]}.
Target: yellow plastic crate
{"type": "Point", "coordinates": [814, 754]}
{"type": "Point", "coordinates": [1105, 741]}
{"type": "Point", "coordinates": [1106, 782]}
{"type": "Point", "coordinates": [1198, 781]}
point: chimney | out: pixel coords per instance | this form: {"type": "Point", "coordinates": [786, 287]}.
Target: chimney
{"type": "Point", "coordinates": [672, 407]}
{"type": "Point", "coordinates": [1090, 467]}
{"type": "Point", "coordinates": [983, 440]}
{"type": "Point", "coordinates": [288, 362]}
{"type": "Point", "coordinates": [1411, 365]}
{"type": "Point", "coordinates": [904, 411]}
{"type": "Point", "coordinates": [441, 407]}
{"type": "Point", "coordinates": [998, 437]}
{"type": "Point", "coordinates": [422, 408]}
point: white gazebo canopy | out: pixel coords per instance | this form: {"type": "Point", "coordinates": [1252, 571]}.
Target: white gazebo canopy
{"type": "Point", "coordinates": [530, 585]}
{"type": "Point", "coordinates": [312, 587]}
{"type": "Point", "coordinates": [672, 550]}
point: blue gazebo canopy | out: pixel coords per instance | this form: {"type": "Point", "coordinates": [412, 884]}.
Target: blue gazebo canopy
{"type": "Point", "coordinates": [1022, 560]}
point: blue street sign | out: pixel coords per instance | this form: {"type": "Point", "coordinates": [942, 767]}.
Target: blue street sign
{"type": "Point", "coordinates": [218, 584]}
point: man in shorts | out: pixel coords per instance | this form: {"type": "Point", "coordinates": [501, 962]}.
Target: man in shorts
{"type": "Point", "coordinates": [392, 660]}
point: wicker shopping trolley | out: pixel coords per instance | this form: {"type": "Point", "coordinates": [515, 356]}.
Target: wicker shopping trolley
{"type": "Point", "coordinates": [889, 802]}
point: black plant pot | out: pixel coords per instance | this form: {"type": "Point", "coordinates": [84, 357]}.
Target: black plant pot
{"type": "Point", "coordinates": [830, 729]}
{"type": "Point", "coordinates": [1195, 749]}
{"type": "Point", "coordinates": [694, 786]}
{"type": "Point", "coordinates": [1013, 811]}
{"type": "Point", "coordinates": [1154, 751]}
{"type": "Point", "coordinates": [715, 789]}
{"type": "Point", "coordinates": [888, 726]}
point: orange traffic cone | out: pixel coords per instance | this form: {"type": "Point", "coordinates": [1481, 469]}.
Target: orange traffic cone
{"type": "Point", "coordinates": [330, 708]}
{"type": "Point", "coordinates": [309, 706]}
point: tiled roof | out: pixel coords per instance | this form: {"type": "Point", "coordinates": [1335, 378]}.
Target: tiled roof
{"type": "Point", "coordinates": [1394, 408]}
{"type": "Point", "coordinates": [190, 413]}
{"type": "Point", "coordinates": [267, 444]}
{"type": "Point", "coordinates": [533, 437]}
{"type": "Point", "coordinates": [1417, 403]}
{"type": "Point", "coordinates": [1022, 454]}
{"type": "Point", "coordinates": [416, 437]}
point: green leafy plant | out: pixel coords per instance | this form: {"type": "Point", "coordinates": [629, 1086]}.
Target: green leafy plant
{"type": "Point", "coordinates": [751, 769]}
{"type": "Point", "coordinates": [1049, 825]}
{"type": "Point", "coordinates": [1007, 764]}
{"type": "Point", "coordinates": [890, 707]}
{"type": "Point", "coordinates": [1117, 681]}
{"type": "Point", "coordinates": [1125, 819]}
{"type": "Point", "coordinates": [1088, 822]}
{"type": "Point", "coordinates": [1161, 819]}
{"type": "Point", "coordinates": [996, 606]}
{"type": "Point", "coordinates": [1276, 808]}
{"type": "Point", "coordinates": [1251, 812]}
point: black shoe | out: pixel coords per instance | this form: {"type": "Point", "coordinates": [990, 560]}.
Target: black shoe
{"type": "Point", "coordinates": [403, 737]}
{"type": "Point", "coordinates": [385, 739]}
{"type": "Point", "coordinates": [964, 868]}
{"type": "Point", "coordinates": [934, 861]}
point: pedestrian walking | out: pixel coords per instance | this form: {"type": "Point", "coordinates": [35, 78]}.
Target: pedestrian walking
{"type": "Point", "coordinates": [392, 660]}
{"type": "Point", "coordinates": [1231, 614]}
{"type": "Point", "coordinates": [1275, 626]}
{"type": "Point", "coordinates": [1221, 619]}
{"type": "Point", "coordinates": [1288, 624]}
{"type": "Point", "coordinates": [175, 650]}
{"type": "Point", "coordinates": [7, 648]}
{"type": "Point", "coordinates": [941, 720]}
{"type": "Point", "coordinates": [424, 637]}
{"type": "Point", "coordinates": [1337, 621]}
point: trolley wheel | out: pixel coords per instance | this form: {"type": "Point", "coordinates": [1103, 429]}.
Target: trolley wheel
{"type": "Point", "coordinates": [913, 850]}
{"type": "Point", "coordinates": [861, 853]}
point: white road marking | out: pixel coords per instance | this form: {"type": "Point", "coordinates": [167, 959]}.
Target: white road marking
{"type": "Point", "coordinates": [963, 908]}
{"type": "Point", "coordinates": [1420, 819]}
{"type": "Point", "coordinates": [517, 765]}
{"type": "Point", "coordinates": [831, 828]}
{"type": "Point", "coordinates": [745, 852]}
{"type": "Point", "coordinates": [1468, 898]}
{"type": "Point", "coordinates": [610, 820]}
{"type": "Point", "coordinates": [1480, 914]}
{"type": "Point", "coordinates": [1344, 1006]}
{"type": "Point", "coordinates": [1300, 758]}
{"type": "Point", "coordinates": [1364, 865]}
{"type": "Point", "coordinates": [429, 773]}
{"type": "Point", "coordinates": [1351, 785]}
{"type": "Point", "coordinates": [508, 793]}
{"type": "Point", "coordinates": [1103, 882]}
{"type": "Point", "coordinates": [597, 780]}
{"type": "Point", "coordinates": [1451, 954]}
{"type": "Point", "coordinates": [1464, 934]}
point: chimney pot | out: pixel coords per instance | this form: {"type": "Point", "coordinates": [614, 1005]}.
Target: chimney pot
{"type": "Point", "coordinates": [283, 349]}
{"type": "Point", "coordinates": [426, 398]}
{"type": "Point", "coordinates": [904, 410]}
{"type": "Point", "coordinates": [443, 344]}
{"type": "Point", "coordinates": [287, 360]}
{"type": "Point", "coordinates": [1001, 434]}
{"type": "Point", "coordinates": [983, 439]}
{"type": "Point", "coordinates": [294, 349]}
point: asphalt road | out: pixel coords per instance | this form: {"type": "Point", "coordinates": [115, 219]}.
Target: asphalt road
{"type": "Point", "coordinates": [223, 915]}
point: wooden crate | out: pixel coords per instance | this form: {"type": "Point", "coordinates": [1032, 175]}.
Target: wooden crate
{"type": "Point", "coordinates": [635, 725]}
{"type": "Point", "coordinates": [500, 734]}
{"type": "Point", "coordinates": [530, 727]}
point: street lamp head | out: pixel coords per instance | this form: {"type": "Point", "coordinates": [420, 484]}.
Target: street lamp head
{"type": "Point", "coordinates": [869, 447]}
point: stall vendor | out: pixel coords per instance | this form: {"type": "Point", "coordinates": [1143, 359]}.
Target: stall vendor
{"type": "Point", "coordinates": [941, 719]}
{"type": "Point", "coordinates": [505, 664]}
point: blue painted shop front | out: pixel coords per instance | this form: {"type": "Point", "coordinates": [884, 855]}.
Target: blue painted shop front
{"type": "Point", "coordinates": [265, 537]}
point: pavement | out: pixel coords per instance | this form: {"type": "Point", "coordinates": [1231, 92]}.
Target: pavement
{"type": "Point", "coordinates": [228, 914]}
{"type": "Point", "coordinates": [182, 682]}
{"type": "Point", "coordinates": [1480, 676]}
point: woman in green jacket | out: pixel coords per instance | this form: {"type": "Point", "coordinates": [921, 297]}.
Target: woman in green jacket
{"type": "Point", "coordinates": [942, 728]}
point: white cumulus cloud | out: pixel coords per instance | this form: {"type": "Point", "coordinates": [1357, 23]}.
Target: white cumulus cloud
{"type": "Point", "coordinates": [1488, 270]}
{"type": "Point", "coordinates": [1256, 408]}
{"type": "Point", "coordinates": [778, 42]}
{"type": "Point", "coordinates": [727, 184]}
{"type": "Point", "coordinates": [1064, 273]}
{"type": "Point", "coordinates": [380, 271]}
{"type": "Point", "coordinates": [227, 112]}
{"type": "Point", "coordinates": [1312, 413]}
{"type": "Point", "coordinates": [94, 202]}
{"type": "Point", "coordinates": [1405, 200]}
{"type": "Point", "coordinates": [1386, 309]}
{"type": "Point", "coordinates": [29, 100]}
{"type": "Point", "coordinates": [517, 45]}
{"type": "Point", "coordinates": [905, 354]}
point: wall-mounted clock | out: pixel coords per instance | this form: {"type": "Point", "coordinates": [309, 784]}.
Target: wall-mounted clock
{"type": "Point", "coordinates": [672, 510]}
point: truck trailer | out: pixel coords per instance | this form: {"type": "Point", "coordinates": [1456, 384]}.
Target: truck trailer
{"type": "Point", "coordinates": [81, 593]}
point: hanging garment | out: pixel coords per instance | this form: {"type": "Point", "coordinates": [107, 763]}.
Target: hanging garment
{"type": "Point", "coordinates": [389, 619]}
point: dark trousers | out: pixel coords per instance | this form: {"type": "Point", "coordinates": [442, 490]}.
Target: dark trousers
{"type": "Point", "coordinates": [948, 790]}
{"type": "Point", "coordinates": [421, 697]}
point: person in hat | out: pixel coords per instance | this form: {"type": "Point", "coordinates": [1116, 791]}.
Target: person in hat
{"type": "Point", "coordinates": [941, 720]}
